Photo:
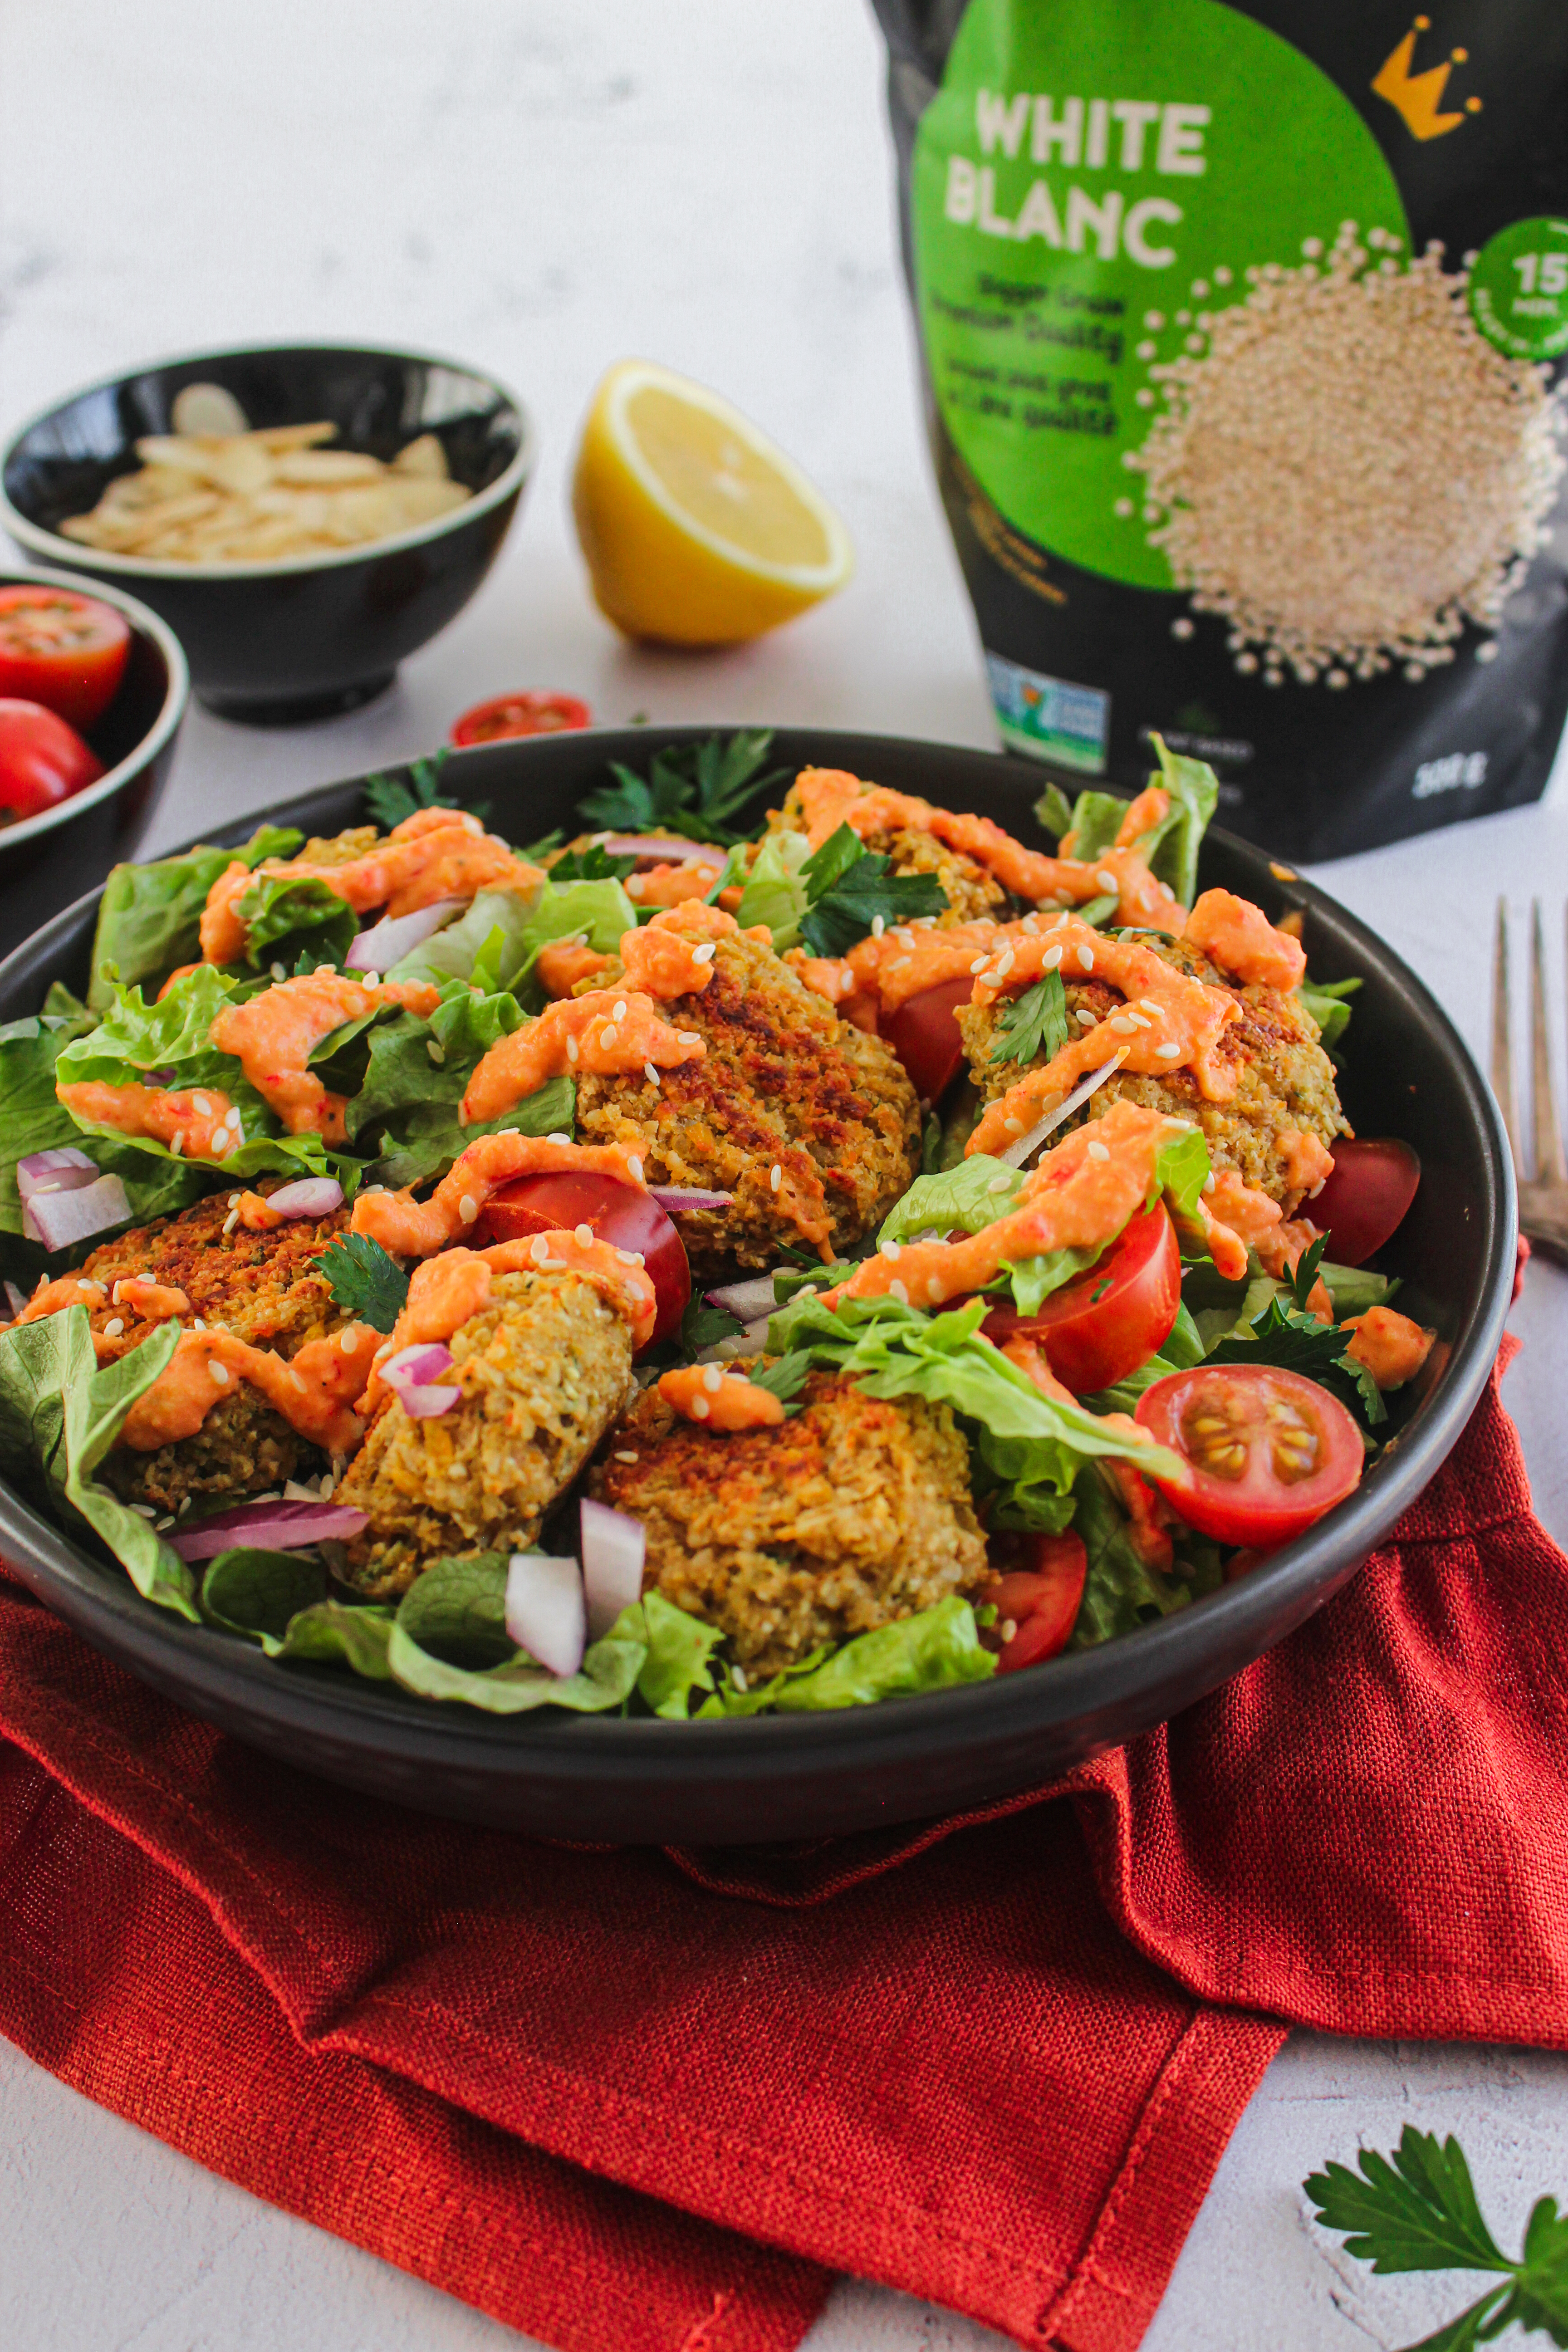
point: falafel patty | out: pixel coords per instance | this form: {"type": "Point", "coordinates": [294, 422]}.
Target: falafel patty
{"type": "Point", "coordinates": [1286, 1080]}
{"type": "Point", "coordinates": [543, 1368]}
{"type": "Point", "coordinates": [854, 1513]}
{"type": "Point", "coordinates": [785, 1087]}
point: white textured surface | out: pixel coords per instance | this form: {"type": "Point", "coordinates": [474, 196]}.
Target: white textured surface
{"type": "Point", "coordinates": [544, 188]}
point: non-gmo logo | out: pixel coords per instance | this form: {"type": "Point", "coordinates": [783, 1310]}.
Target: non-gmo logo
{"type": "Point", "coordinates": [1454, 772]}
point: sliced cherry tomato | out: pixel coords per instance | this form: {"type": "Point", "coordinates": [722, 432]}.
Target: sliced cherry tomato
{"type": "Point", "coordinates": [521, 714]}
{"type": "Point", "coordinates": [42, 761]}
{"type": "Point", "coordinates": [1268, 1451]}
{"type": "Point", "coordinates": [1103, 1324]}
{"type": "Point", "coordinates": [1364, 1197]}
{"type": "Point", "coordinates": [923, 1034]}
{"type": "Point", "coordinates": [65, 651]}
{"type": "Point", "coordinates": [619, 1214]}
{"type": "Point", "coordinates": [1037, 1594]}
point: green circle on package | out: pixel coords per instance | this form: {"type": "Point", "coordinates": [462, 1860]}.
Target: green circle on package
{"type": "Point", "coordinates": [1092, 184]}
{"type": "Point", "coordinates": [1518, 289]}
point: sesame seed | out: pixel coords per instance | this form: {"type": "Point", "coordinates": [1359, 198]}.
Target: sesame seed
{"type": "Point", "coordinates": [1051, 959]}
{"type": "Point", "coordinates": [620, 1008]}
{"type": "Point", "coordinates": [879, 925]}
{"type": "Point", "coordinates": [1141, 1020]}
{"type": "Point", "coordinates": [558, 1138]}
{"type": "Point", "coordinates": [540, 1250]}
{"type": "Point", "coordinates": [897, 1290]}
{"type": "Point", "coordinates": [890, 1250]}
{"type": "Point", "coordinates": [582, 1235]}
{"type": "Point", "coordinates": [220, 1374]}
{"type": "Point", "coordinates": [1000, 1184]}
{"type": "Point", "coordinates": [1169, 1053]}
{"type": "Point", "coordinates": [145, 1511]}
{"type": "Point", "coordinates": [1209, 1183]}
{"type": "Point", "coordinates": [651, 1073]}
{"type": "Point", "coordinates": [114, 1327]}
{"type": "Point", "coordinates": [1058, 924]}
{"type": "Point", "coordinates": [200, 1103]}
{"type": "Point", "coordinates": [349, 1340]}
{"type": "Point", "coordinates": [1031, 923]}
{"type": "Point", "coordinates": [437, 1052]}
{"type": "Point", "coordinates": [979, 963]}
{"type": "Point", "coordinates": [1151, 1004]}
{"type": "Point", "coordinates": [1099, 1150]}
{"type": "Point", "coordinates": [610, 1039]}
{"type": "Point", "coordinates": [1008, 1629]}
{"type": "Point", "coordinates": [468, 1208]}
{"type": "Point", "coordinates": [936, 1289]}
{"type": "Point", "coordinates": [572, 1049]}
{"type": "Point", "coordinates": [902, 932]}
{"type": "Point", "coordinates": [634, 1169]}
{"type": "Point", "coordinates": [901, 963]}
{"type": "Point", "coordinates": [1086, 959]}
{"type": "Point", "coordinates": [1005, 965]}
{"type": "Point", "coordinates": [700, 1408]}
{"type": "Point", "coordinates": [738, 1677]}
{"type": "Point", "coordinates": [628, 1257]}
{"type": "Point", "coordinates": [177, 1146]}
{"type": "Point", "coordinates": [233, 1200]}
{"type": "Point", "coordinates": [706, 953]}
{"type": "Point", "coordinates": [1013, 1126]}
{"type": "Point", "coordinates": [776, 1176]}
{"type": "Point", "coordinates": [279, 972]}
{"type": "Point", "coordinates": [370, 980]}
{"type": "Point", "coordinates": [1107, 881]}
{"type": "Point", "coordinates": [198, 1323]}
{"type": "Point", "coordinates": [712, 1379]}
{"type": "Point", "coordinates": [1317, 1188]}
{"type": "Point", "coordinates": [622, 1456]}
{"type": "Point", "coordinates": [1085, 1018]}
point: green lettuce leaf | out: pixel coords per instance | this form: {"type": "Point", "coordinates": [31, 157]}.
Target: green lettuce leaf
{"type": "Point", "coordinates": [1096, 822]}
{"type": "Point", "coordinates": [1325, 999]}
{"type": "Point", "coordinates": [452, 954]}
{"type": "Point", "coordinates": [600, 910]}
{"type": "Point", "coordinates": [149, 918]}
{"type": "Point", "coordinates": [288, 916]}
{"type": "Point", "coordinates": [449, 1642]}
{"type": "Point", "coordinates": [1182, 1168]}
{"type": "Point", "coordinates": [280, 1601]}
{"type": "Point", "coordinates": [1171, 849]}
{"type": "Point", "coordinates": [937, 1649]}
{"type": "Point", "coordinates": [407, 1109]}
{"type": "Point", "coordinates": [965, 1198]}
{"type": "Point", "coordinates": [1119, 1593]}
{"type": "Point", "coordinates": [1032, 1280]}
{"type": "Point", "coordinates": [777, 891]}
{"type": "Point", "coordinates": [680, 1656]}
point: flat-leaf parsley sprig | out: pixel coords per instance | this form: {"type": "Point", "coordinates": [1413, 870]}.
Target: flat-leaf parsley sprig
{"type": "Point", "coordinates": [692, 789]}
{"type": "Point", "coordinates": [1418, 2210]}
{"type": "Point", "coordinates": [848, 887]}
{"type": "Point", "coordinates": [364, 1280]}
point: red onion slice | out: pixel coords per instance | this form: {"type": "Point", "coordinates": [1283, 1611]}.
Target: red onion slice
{"type": "Point", "coordinates": [412, 1375]}
{"type": "Point", "coordinates": [311, 1196]}
{"type": "Point", "coordinates": [675, 1198]}
{"type": "Point", "coordinates": [269, 1526]}
{"type": "Point", "coordinates": [1016, 1153]}
{"type": "Point", "coordinates": [545, 1611]}
{"type": "Point", "coordinates": [59, 1219]}
{"type": "Point", "coordinates": [386, 942]}
{"type": "Point", "coordinates": [747, 1300]}
{"type": "Point", "coordinates": [615, 1547]}
{"type": "Point", "coordinates": [67, 1170]}
{"type": "Point", "coordinates": [667, 853]}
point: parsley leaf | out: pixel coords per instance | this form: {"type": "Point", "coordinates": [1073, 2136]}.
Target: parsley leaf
{"type": "Point", "coordinates": [692, 789]}
{"type": "Point", "coordinates": [594, 863]}
{"type": "Point", "coordinates": [785, 1376]}
{"type": "Point", "coordinates": [364, 1280]}
{"type": "Point", "coordinates": [390, 799]}
{"type": "Point", "coordinates": [1304, 1273]}
{"type": "Point", "coordinates": [1418, 2210]}
{"type": "Point", "coordinates": [1034, 1023]}
{"type": "Point", "coordinates": [848, 887]}
{"type": "Point", "coordinates": [702, 1325]}
{"type": "Point", "coordinates": [1296, 1341]}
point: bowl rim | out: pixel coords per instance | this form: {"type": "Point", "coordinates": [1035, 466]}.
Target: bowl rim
{"type": "Point", "coordinates": [360, 1718]}
{"type": "Point", "coordinates": [58, 550]}
{"type": "Point", "coordinates": [158, 736]}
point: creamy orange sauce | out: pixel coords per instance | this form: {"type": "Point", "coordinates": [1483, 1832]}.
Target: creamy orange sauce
{"type": "Point", "coordinates": [314, 1393]}
{"type": "Point", "coordinates": [1147, 809]}
{"type": "Point", "coordinates": [411, 1228]}
{"type": "Point", "coordinates": [829, 798]}
{"type": "Point", "coordinates": [199, 1122]}
{"type": "Point", "coordinates": [1030, 1359]}
{"type": "Point", "coordinates": [664, 961]}
{"type": "Point", "coordinates": [435, 854]}
{"type": "Point", "coordinates": [153, 1302]}
{"type": "Point", "coordinates": [672, 885]}
{"type": "Point", "coordinates": [1277, 1248]}
{"type": "Point", "coordinates": [1080, 1197]}
{"type": "Point", "coordinates": [1307, 1161]}
{"type": "Point", "coordinates": [608, 1032]}
{"type": "Point", "coordinates": [721, 1402]}
{"type": "Point", "coordinates": [64, 1290]}
{"type": "Point", "coordinates": [1391, 1346]}
{"type": "Point", "coordinates": [1239, 937]}
{"type": "Point", "coordinates": [272, 1036]}
{"type": "Point", "coordinates": [562, 964]}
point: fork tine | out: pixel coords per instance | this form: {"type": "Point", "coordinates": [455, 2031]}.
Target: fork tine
{"type": "Point", "coordinates": [1550, 1165]}
{"type": "Point", "coordinates": [1503, 1039]}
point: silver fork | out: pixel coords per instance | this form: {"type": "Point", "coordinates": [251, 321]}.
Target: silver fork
{"type": "Point", "coordinates": [1543, 1184]}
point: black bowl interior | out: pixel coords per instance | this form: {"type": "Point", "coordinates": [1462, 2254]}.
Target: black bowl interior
{"type": "Point", "coordinates": [379, 400]}
{"type": "Point", "coordinates": [1406, 1072]}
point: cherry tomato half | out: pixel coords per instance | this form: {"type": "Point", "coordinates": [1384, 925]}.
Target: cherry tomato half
{"type": "Point", "coordinates": [1103, 1324]}
{"type": "Point", "coordinates": [923, 1034]}
{"type": "Point", "coordinates": [619, 1214]}
{"type": "Point", "coordinates": [1268, 1451]}
{"type": "Point", "coordinates": [42, 761]}
{"type": "Point", "coordinates": [521, 714]}
{"type": "Point", "coordinates": [1364, 1197]}
{"type": "Point", "coordinates": [65, 651]}
{"type": "Point", "coordinates": [1037, 1594]}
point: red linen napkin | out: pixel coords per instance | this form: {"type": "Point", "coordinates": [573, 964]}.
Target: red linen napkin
{"type": "Point", "coordinates": [602, 2098]}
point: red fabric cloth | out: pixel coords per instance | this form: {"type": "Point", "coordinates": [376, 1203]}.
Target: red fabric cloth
{"type": "Point", "coordinates": [602, 2098]}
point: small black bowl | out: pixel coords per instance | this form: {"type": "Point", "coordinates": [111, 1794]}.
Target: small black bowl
{"type": "Point", "coordinates": [276, 644]}
{"type": "Point", "coordinates": [45, 859]}
{"type": "Point", "coordinates": [599, 1776]}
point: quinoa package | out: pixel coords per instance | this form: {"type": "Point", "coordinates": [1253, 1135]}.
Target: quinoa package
{"type": "Point", "coordinates": [1243, 329]}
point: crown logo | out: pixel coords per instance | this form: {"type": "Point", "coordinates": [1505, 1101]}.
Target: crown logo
{"type": "Point", "coordinates": [1418, 96]}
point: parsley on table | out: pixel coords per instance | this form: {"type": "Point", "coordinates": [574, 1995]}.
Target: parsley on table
{"type": "Point", "coordinates": [1418, 2210]}
{"type": "Point", "coordinates": [848, 888]}
{"type": "Point", "coordinates": [1033, 1023]}
{"type": "Point", "coordinates": [391, 799]}
{"type": "Point", "coordinates": [363, 1280]}
{"type": "Point", "coordinates": [692, 789]}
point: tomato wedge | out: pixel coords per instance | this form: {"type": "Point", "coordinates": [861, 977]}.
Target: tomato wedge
{"type": "Point", "coordinates": [619, 1214]}
{"type": "Point", "coordinates": [42, 761]}
{"type": "Point", "coordinates": [521, 714]}
{"type": "Point", "coordinates": [65, 651]}
{"type": "Point", "coordinates": [1037, 1595]}
{"type": "Point", "coordinates": [1268, 1451]}
{"type": "Point", "coordinates": [1364, 1196]}
{"type": "Point", "coordinates": [923, 1034]}
{"type": "Point", "coordinates": [1103, 1324]}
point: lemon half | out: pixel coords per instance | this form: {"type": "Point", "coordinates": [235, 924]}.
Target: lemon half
{"type": "Point", "coordinates": [696, 528]}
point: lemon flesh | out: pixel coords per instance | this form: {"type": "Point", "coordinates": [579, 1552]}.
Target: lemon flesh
{"type": "Point", "coordinates": [696, 528]}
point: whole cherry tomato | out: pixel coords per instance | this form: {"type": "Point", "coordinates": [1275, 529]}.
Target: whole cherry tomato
{"type": "Point", "coordinates": [619, 1214]}
{"type": "Point", "coordinates": [1268, 1451]}
{"type": "Point", "coordinates": [532, 713]}
{"type": "Point", "coordinates": [42, 761]}
{"type": "Point", "coordinates": [1364, 1197]}
{"type": "Point", "coordinates": [65, 651]}
{"type": "Point", "coordinates": [1103, 1324]}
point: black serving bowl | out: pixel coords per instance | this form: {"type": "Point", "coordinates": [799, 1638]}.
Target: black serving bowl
{"type": "Point", "coordinates": [595, 1776]}
{"type": "Point", "coordinates": [276, 644]}
{"type": "Point", "coordinates": [45, 859]}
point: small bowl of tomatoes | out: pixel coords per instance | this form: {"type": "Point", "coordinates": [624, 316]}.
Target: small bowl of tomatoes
{"type": "Point", "coordinates": [93, 690]}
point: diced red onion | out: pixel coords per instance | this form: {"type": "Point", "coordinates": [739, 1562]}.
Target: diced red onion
{"type": "Point", "coordinates": [1016, 1153]}
{"type": "Point", "coordinates": [667, 853]}
{"type": "Point", "coordinates": [59, 1219]}
{"type": "Point", "coordinates": [16, 1300]}
{"type": "Point", "coordinates": [615, 1547]}
{"type": "Point", "coordinates": [676, 1198]}
{"type": "Point", "coordinates": [413, 1374]}
{"type": "Point", "coordinates": [311, 1196]}
{"type": "Point", "coordinates": [386, 942]}
{"type": "Point", "coordinates": [747, 1300]}
{"type": "Point", "coordinates": [269, 1526]}
{"type": "Point", "coordinates": [545, 1611]}
{"type": "Point", "coordinates": [65, 1171]}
